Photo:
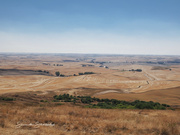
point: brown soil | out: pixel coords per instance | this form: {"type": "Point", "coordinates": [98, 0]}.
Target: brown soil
{"type": "Point", "coordinates": [15, 72]}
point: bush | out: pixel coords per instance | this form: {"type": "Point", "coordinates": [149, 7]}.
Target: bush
{"type": "Point", "coordinates": [55, 100]}
{"type": "Point", "coordinates": [43, 101]}
{"type": "Point", "coordinates": [105, 105]}
{"type": "Point", "coordinates": [57, 73]}
{"type": "Point", "coordinates": [110, 103]}
{"type": "Point", "coordinates": [7, 99]}
{"type": "Point", "coordinates": [81, 73]}
{"type": "Point", "coordinates": [86, 73]}
{"type": "Point", "coordinates": [62, 75]}
{"type": "Point", "coordinates": [46, 71]}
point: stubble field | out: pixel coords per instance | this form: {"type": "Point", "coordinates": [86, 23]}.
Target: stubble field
{"type": "Point", "coordinates": [113, 78]}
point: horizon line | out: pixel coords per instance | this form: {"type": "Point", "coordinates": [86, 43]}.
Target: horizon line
{"type": "Point", "coordinates": [88, 53]}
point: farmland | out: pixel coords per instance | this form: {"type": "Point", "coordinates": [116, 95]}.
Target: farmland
{"type": "Point", "coordinates": [31, 81]}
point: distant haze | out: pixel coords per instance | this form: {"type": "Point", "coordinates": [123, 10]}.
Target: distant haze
{"type": "Point", "coordinates": [90, 26]}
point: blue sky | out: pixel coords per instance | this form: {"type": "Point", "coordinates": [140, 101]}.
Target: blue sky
{"type": "Point", "coordinates": [90, 26]}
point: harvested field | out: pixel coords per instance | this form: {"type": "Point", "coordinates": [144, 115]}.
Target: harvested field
{"type": "Point", "coordinates": [170, 96]}
{"type": "Point", "coordinates": [18, 74]}
{"type": "Point", "coordinates": [28, 115]}
{"type": "Point", "coordinates": [35, 112]}
{"type": "Point", "coordinates": [15, 72]}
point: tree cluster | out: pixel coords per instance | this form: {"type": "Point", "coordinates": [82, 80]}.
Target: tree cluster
{"type": "Point", "coordinates": [86, 73]}
{"type": "Point", "coordinates": [7, 99]}
{"type": "Point", "coordinates": [110, 103]}
{"type": "Point", "coordinates": [59, 74]}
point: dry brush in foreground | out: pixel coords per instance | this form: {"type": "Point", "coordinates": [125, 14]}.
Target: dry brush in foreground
{"type": "Point", "coordinates": [67, 119]}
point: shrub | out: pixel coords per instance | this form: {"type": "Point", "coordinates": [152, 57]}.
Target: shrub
{"type": "Point", "coordinates": [57, 73]}
{"type": "Point", "coordinates": [110, 103]}
{"type": "Point", "coordinates": [7, 99]}
{"type": "Point", "coordinates": [81, 73]}
{"type": "Point", "coordinates": [86, 73]}
{"type": "Point", "coordinates": [43, 101]}
{"type": "Point", "coordinates": [62, 75]}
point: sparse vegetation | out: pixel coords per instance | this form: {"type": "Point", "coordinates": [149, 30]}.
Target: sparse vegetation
{"type": "Point", "coordinates": [62, 75]}
{"type": "Point", "coordinates": [43, 101]}
{"type": "Point", "coordinates": [59, 65]}
{"type": "Point", "coordinates": [136, 70]}
{"type": "Point", "coordinates": [77, 120]}
{"type": "Point", "coordinates": [7, 99]}
{"type": "Point", "coordinates": [46, 71]}
{"type": "Point", "coordinates": [81, 73]}
{"type": "Point", "coordinates": [160, 68]}
{"type": "Point", "coordinates": [86, 73]}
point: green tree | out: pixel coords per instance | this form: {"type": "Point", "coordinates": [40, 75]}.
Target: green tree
{"type": "Point", "coordinates": [81, 73]}
{"type": "Point", "coordinates": [57, 73]}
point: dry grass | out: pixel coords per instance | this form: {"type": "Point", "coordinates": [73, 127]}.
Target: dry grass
{"type": "Point", "coordinates": [113, 78]}
{"type": "Point", "coordinates": [169, 96]}
{"type": "Point", "coordinates": [77, 120]}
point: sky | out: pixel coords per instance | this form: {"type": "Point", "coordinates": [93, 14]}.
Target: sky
{"type": "Point", "coordinates": [90, 26]}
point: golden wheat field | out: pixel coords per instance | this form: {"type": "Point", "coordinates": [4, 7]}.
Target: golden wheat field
{"type": "Point", "coordinates": [29, 78]}
{"type": "Point", "coordinates": [62, 120]}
